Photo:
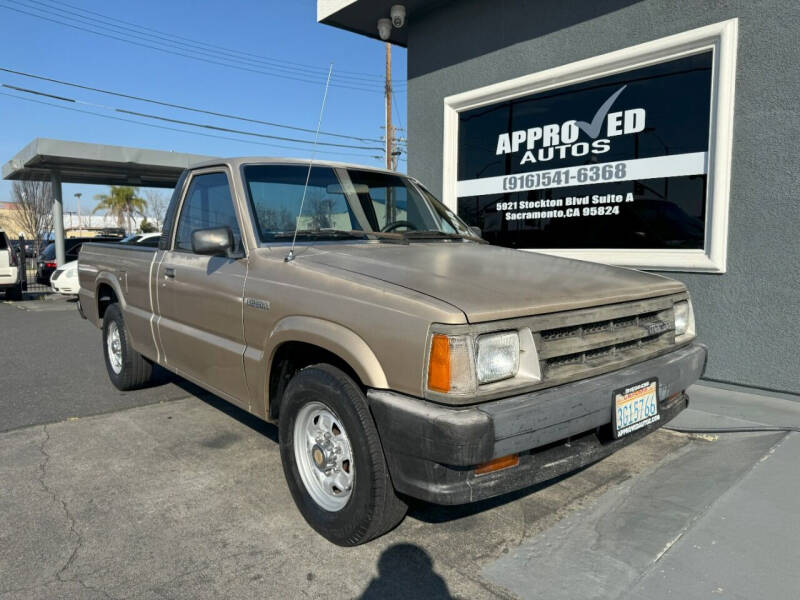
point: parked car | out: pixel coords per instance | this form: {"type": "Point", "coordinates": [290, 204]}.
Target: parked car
{"type": "Point", "coordinates": [46, 263]}
{"type": "Point", "coordinates": [64, 279]}
{"type": "Point", "coordinates": [144, 239]}
{"type": "Point", "coordinates": [399, 354]}
{"type": "Point", "coordinates": [11, 281]}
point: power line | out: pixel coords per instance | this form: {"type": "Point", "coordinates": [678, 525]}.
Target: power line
{"type": "Point", "coordinates": [319, 70]}
{"type": "Point", "coordinates": [143, 33]}
{"type": "Point", "coordinates": [210, 135]}
{"type": "Point", "coordinates": [180, 106]}
{"type": "Point", "coordinates": [190, 45]}
{"type": "Point", "coordinates": [191, 56]}
{"type": "Point", "coordinates": [191, 123]}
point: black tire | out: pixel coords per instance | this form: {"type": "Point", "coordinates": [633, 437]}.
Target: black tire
{"type": "Point", "coordinates": [135, 371]}
{"type": "Point", "coordinates": [373, 507]}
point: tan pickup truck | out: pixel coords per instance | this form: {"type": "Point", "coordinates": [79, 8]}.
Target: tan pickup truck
{"type": "Point", "coordinates": [399, 354]}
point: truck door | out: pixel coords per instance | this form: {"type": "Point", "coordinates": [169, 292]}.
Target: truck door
{"type": "Point", "coordinates": [200, 297]}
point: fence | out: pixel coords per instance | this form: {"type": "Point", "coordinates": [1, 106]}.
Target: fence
{"type": "Point", "coordinates": [27, 254]}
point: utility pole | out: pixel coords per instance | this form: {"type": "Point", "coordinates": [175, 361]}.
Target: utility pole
{"type": "Point", "coordinates": [389, 130]}
{"type": "Point", "coordinates": [78, 199]}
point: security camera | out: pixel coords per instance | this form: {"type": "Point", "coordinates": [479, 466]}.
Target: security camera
{"type": "Point", "coordinates": [384, 28]}
{"type": "Point", "coordinates": [398, 14]}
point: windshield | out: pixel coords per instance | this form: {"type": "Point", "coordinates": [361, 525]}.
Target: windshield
{"type": "Point", "coordinates": [344, 203]}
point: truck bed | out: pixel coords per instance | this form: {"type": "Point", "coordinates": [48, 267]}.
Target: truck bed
{"type": "Point", "coordinates": [127, 268]}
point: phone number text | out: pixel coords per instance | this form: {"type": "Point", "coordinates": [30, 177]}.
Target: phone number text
{"type": "Point", "coordinates": [568, 176]}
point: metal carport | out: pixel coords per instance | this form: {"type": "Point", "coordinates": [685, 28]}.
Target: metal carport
{"type": "Point", "coordinates": [61, 161]}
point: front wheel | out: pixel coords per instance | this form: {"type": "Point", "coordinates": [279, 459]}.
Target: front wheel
{"type": "Point", "coordinates": [333, 460]}
{"type": "Point", "coordinates": [127, 369]}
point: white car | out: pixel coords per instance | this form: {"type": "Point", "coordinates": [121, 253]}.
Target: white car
{"type": "Point", "coordinates": [65, 279]}
{"type": "Point", "coordinates": [143, 239]}
{"type": "Point", "coordinates": [10, 280]}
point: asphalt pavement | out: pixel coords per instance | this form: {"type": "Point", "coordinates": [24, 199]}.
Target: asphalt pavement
{"type": "Point", "coordinates": [53, 370]}
{"type": "Point", "coordinates": [173, 493]}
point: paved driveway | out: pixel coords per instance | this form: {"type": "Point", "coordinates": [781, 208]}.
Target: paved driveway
{"type": "Point", "coordinates": [52, 367]}
{"type": "Point", "coordinates": [169, 494]}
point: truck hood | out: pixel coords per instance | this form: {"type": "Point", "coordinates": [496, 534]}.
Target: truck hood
{"type": "Point", "coordinates": [488, 283]}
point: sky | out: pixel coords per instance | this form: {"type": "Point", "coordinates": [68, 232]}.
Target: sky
{"type": "Point", "coordinates": [275, 60]}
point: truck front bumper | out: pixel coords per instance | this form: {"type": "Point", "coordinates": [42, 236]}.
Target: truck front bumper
{"type": "Point", "coordinates": [433, 450]}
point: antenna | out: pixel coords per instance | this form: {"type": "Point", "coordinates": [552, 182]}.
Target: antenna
{"type": "Point", "coordinates": [290, 256]}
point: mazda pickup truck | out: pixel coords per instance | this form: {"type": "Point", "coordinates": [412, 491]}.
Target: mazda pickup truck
{"type": "Point", "coordinates": [399, 354]}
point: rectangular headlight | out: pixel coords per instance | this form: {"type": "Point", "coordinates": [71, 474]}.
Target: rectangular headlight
{"type": "Point", "coordinates": [497, 356]}
{"type": "Point", "coordinates": [682, 317]}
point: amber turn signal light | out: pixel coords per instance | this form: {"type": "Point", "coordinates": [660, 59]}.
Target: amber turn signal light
{"type": "Point", "coordinates": [504, 462]}
{"type": "Point", "coordinates": [439, 364]}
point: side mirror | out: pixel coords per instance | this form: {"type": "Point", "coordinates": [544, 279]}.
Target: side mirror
{"type": "Point", "coordinates": [476, 230]}
{"type": "Point", "coordinates": [217, 241]}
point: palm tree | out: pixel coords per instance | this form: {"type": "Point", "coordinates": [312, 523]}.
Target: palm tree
{"type": "Point", "coordinates": [121, 202]}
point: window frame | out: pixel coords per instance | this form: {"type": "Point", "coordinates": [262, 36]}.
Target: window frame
{"type": "Point", "coordinates": [722, 39]}
{"type": "Point", "coordinates": [187, 186]}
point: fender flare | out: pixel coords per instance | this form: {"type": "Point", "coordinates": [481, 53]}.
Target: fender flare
{"type": "Point", "coordinates": [105, 277]}
{"type": "Point", "coordinates": [334, 338]}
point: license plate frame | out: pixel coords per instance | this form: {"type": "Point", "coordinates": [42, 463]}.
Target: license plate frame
{"type": "Point", "coordinates": [641, 401]}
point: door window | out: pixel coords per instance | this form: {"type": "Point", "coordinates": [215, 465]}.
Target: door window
{"type": "Point", "coordinates": [208, 204]}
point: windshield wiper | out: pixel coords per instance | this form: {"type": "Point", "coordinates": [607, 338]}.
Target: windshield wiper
{"type": "Point", "coordinates": [323, 233]}
{"type": "Point", "coordinates": [339, 234]}
{"type": "Point", "coordinates": [432, 234]}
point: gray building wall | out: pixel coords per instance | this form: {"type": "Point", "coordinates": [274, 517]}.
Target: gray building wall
{"type": "Point", "coordinates": [749, 316]}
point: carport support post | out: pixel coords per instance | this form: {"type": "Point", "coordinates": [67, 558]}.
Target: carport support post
{"type": "Point", "coordinates": [23, 263]}
{"type": "Point", "coordinates": [58, 216]}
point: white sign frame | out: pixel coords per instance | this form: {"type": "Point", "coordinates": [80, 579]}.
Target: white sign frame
{"type": "Point", "coordinates": [722, 39]}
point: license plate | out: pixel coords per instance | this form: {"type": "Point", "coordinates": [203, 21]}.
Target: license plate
{"type": "Point", "coordinates": [634, 407]}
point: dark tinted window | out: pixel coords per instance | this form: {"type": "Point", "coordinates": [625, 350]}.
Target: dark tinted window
{"type": "Point", "coordinates": [208, 204]}
{"type": "Point", "coordinates": [72, 250]}
{"type": "Point", "coordinates": [3, 244]}
{"type": "Point", "coordinates": [662, 113]}
{"type": "Point", "coordinates": [49, 253]}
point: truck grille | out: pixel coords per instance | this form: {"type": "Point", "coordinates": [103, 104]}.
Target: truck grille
{"type": "Point", "coordinates": [591, 341]}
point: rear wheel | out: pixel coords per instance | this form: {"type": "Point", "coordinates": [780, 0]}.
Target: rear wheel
{"type": "Point", "coordinates": [127, 369]}
{"type": "Point", "coordinates": [333, 460]}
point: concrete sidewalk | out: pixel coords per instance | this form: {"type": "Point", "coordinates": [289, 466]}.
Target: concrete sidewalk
{"type": "Point", "coordinates": [718, 522]}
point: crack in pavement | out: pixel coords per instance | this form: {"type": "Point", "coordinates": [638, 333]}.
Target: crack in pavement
{"type": "Point", "coordinates": [70, 518]}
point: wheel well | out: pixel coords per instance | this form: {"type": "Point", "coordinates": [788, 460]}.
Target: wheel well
{"type": "Point", "coordinates": [105, 298]}
{"type": "Point", "coordinates": [290, 358]}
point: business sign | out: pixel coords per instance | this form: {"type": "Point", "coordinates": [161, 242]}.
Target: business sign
{"type": "Point", "coordinates": [614, 162]}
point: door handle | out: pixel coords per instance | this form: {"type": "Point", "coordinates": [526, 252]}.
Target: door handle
{"type": "Point", "coordinates": [169, 273]}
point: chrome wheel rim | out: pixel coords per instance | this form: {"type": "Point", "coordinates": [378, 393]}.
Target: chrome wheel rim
{"type": "Point", "coordinates": [323, 456]}
{"type": "Point", "coordinates": [114, 347]}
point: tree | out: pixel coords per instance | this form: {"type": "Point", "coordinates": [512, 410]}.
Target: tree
{"type": "Point", "coordinates": [34, 209]}
{"type": "Point", "coordinates": [157, 203]}
{"type": "Point", "coordinates": [122, 203]}
{"type": "Point", "coordinates": [147, 227]}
